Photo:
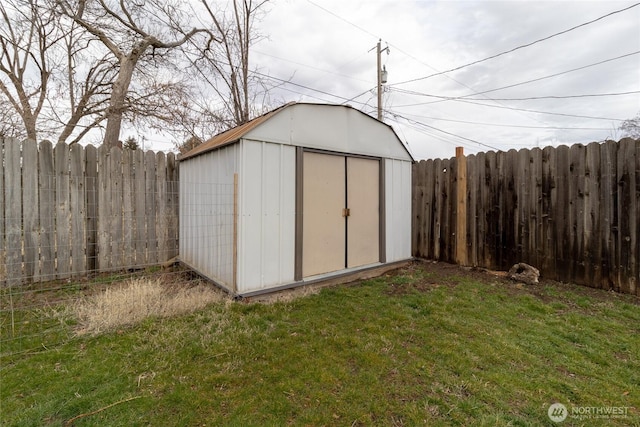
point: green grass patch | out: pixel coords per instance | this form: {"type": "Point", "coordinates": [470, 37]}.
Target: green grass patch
{"type": "Point", "coordinates": [420, 347]}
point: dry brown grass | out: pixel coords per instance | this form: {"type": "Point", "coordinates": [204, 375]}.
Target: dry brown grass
{"type": "Point", "coordinates": [138, 299]}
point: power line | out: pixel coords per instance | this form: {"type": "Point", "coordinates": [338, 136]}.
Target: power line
{"type": "Point", "coordinates": [440, 130]}
{"type": "Point", "coordinates": [455, 98]}
{"type": "Point", "coordinates": [528, 110]}
{"type": "Point", "coordinates": [551, 75]}
{"type": "Point", "coordinates": [517, 47]}
{"type": "Point", "coordinates": [505, 125]}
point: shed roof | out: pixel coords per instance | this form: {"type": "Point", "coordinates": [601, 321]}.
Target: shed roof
{"type": "Point", "coordinates": [235, 134]}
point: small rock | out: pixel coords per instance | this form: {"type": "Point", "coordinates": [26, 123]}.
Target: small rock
{"type": "Point", "coordinates": [524, 273]}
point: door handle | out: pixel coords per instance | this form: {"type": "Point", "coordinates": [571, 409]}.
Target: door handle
{"type": "Point", "coordinates": [346, 212]}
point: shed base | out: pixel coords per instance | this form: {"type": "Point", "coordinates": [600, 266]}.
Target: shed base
{"type": "Point", "coordinates": [331, 279]}
{"type": "Point", "coordinates": [320, 281]}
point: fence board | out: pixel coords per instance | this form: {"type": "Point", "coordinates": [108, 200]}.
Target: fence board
{"type": "Point", "coordinates": [115, 219]}
{"type": "Point", "coordinates": [535, 204]}
{"type": "Point", "coordinates": [162, 220]}
{"type": "Point", "coordinates": [150, 208]}
{"type": "Point", "coordinates": [104, 202]}
{"type": "Point", "coordinates": [47, 211]}
{"type": "Point", "coordinates": [91, 219]}
{"type": "Point", "coordinates": [431, 198]}
{"type": "Point", "coordinates": [3, 245]}
{"type": "Point", "coordinates": [12, 212]}
{"type": "Point", "coordinates": [128, 213]}
{"type": "Point", "coordinates": [30, 222]}
{"type": "Point", "coordinates": [628, 216]}
{"type": "Point", "coordinates": [78, 206]}
{"type": "Point", "coordinates": [63, 213]}
{"type": "Point", "coordinates": [139, 207]}
{"type": "Point", "coordinates": [472, 195]}
{"type": "Point", "coordinates": [173, 206]}
{"type": "Point", "coordinates": [570, 211]}
{"type": "Point", "coordinates": [592, 230]}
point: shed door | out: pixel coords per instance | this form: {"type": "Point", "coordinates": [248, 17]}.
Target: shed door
{"type": "Point", "coordinates": [333, 239]}
{"type": "Point", "coordinates": [323, 243]}
{"type": "Point", "coordinates": [363, 222]}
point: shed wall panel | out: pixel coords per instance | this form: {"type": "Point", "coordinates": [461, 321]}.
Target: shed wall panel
{"type": "Point", "coordinates": [398, 209]}
{"type": "Point", "coordinates": [206, 213]}
{"type": "Point", "coordinates": [266, 233]}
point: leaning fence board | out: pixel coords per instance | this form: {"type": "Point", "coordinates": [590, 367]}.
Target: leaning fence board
{"type": "Point", "coordinates": [570, 211]}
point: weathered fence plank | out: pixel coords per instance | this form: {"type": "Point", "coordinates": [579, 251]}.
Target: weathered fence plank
{"type": "Point", "coordinates": [570, 211]}
{"type": "Point", "coordinates": [162, 219]}
{"type": "Point", "coordinates": [115, 219]}
{"type": "Point", "coordinates": [47, 211]}
{"type": "Point", "coordinates": [12, 212]}
{"type": "Point", "coordinates": [150, 208]}
{"type": "Point", "coordinates": [3, 243]}
{"type": "Point", "coordinates": [30, 220]}
{"type": "Point", "coordinates": [628, 215]}
{"type": "Point", "coordinates": [63, 212]}
{"type": "Point", "coordinates": [173, 206]}
{"type": "Point", "coordinates": [78, 209]}
{"type": "Point", "coordinates": [91, 219]}
{"type": "Point", "coordinates": [139, 207]}
{"type": "Point", "coordinates": [128, 214]}
{"type": "Point", "coordinates": [104, 202]}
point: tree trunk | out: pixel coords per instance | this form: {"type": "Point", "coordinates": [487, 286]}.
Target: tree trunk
{"type": "Point", "coordinates": [118, 95]}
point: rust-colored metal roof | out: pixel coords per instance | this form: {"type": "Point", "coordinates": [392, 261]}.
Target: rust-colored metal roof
{"type": "Point", "coordinates": [232, 135]}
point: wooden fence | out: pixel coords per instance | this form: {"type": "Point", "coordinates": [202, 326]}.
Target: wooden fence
{"type": "Point", "coordinates": [66, 211]}
{"type": "Point", "coordinates": [572, 212]}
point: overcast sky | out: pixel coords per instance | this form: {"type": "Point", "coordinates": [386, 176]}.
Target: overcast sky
{"type": "Point", "coordinates": [325, 48]}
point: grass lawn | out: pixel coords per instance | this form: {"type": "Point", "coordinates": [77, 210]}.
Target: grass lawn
{"type": "Point", "coordinates": [431, 344]}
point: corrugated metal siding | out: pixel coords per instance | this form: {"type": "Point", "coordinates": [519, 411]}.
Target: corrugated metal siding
{"type": "Point", "coordinates": [266, 240]}
{"type": "Point", "coordinates": [398, 209]}
{"type": "Point", "coordinates": [206, 213]}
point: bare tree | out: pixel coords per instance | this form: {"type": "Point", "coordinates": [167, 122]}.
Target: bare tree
{"type": "Point", "coordinates": [10, 121]}
{"type": "Point", "coordinates": [133, 32]}
{"type": "Point", "coordinates": [225, 70]}
{"type": "Point", "coordinates": [48, 72]}
{"type": "Point", "coordinates": [27, 35]}
{"type": "Point", "coordinates": [631, 127]}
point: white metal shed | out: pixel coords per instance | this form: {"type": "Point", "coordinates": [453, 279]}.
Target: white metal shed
{"type": "Point", "coordinates": [304, 193]}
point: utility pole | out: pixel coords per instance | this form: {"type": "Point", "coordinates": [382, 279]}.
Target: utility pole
{"type": "Point", "coordinates": [382, 76]}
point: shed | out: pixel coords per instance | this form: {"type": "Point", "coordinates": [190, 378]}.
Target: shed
{"type": "Point", "coordinates": [304, 193]}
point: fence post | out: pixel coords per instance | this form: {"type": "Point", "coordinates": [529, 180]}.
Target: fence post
{"type": "Point", "coordinates": [461, 207]}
